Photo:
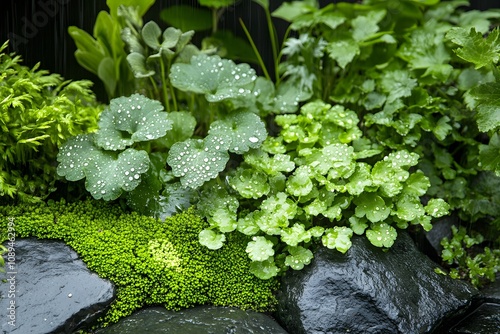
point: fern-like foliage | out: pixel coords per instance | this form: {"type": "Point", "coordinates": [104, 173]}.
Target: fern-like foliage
{"type": "Point", "coordinates": [38, 113]}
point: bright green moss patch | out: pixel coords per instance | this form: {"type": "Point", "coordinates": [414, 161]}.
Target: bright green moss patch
{"type": "Point", "coordinates": [150, 262]}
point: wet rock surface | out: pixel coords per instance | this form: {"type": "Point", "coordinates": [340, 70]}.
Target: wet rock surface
{"type": "Point", "coordinates": [198, 320]}
{"type": "Point", "coordinates": [53, 291]}
{"type": "Point", "coordinates": [368, 290]}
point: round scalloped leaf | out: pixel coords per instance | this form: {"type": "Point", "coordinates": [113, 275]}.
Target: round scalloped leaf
{"type": "Point", "coordinates": [249, 183]}
{"type": "Point", "coordinates": [381, 235]}
{"type": "Point", "coordinates": [195, 162]}
{"type": "Point", "coordinates": [217, 78]}
{"type": "Point", "coordinates": [109, 175]}
{"type": "Point", "coordinates": [298, 258]}
{"type": "Point", "coordinates": [211, 239]}
{"type": "Point", "coordinates": [245, 129]}
{"type": "Point", "coordinates": [264, 269]}
{"type": "Point", "coordinates": [437, 208]}
{"type": "Point", "coordinates": [271, 166]}
{"type": "Point", "coordinates": [247, 225]}
{"type": "Point", "coordinates": [300, 184]}
{"type": "Point", "coordinates": [372, 206]}
{"type": "Point", "coordinates": [260, 249]}
{"type": "Point", "coordinates": [337, 238]}
{"type": "Point", "coordinates": [131, 119]}
{"type": "Point", "coordinates": [75, 155]}
{"type": "Point", "coordinates": [224, 219]}
{"type": "Point", "coordinates": [294, 235]}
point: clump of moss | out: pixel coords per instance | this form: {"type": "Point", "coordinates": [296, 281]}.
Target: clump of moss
{"type": "Point", "coordinates": [150, 262]}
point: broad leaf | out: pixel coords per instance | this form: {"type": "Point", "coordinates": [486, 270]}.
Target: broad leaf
{"type": "Point", "coordinates": [338, 238]}
{"type": "Point", "coordinates": [298, 258]}
{"type": "Point", "coordinates": [260, 249]}
{"type": "Point", "coordinates": [131, 119]}
{"type": "Point", "coordinates": [217, 78]}
{"type": "Point", "coordinates": [211, 239]}
{"type": "Point", "coordinates": [372, 206]}
{"type": "Point", "coordinates": [186, 17]}
{"type": "Point", "coordinates": [381, 235]}
{"type": "Point", "coordinates": [264, 269]}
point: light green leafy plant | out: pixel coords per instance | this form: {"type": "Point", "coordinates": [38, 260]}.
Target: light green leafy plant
{"type": "Point", "coordinates": [38, 113]}
{"type": "Point", "coordinates": [419, 77]}
{"type": "Point", "coordinates": [316, 188]}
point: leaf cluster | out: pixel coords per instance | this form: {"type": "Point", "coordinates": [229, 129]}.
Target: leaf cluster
{"type": "Point", "coordinates": [316, 181]}
{"type": "Point", "coordinates": [420, 76]}
{"type": "Point", "coordinates": [38, 113]}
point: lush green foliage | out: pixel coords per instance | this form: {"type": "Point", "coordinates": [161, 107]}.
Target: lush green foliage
{"type": "Point", "coordinates": [400, 66]}
{"type": "Point", "coordinates": [409, 132]}
{"type": "Point", "coordinates": [313, 181]}
{"type": "Point", "coordinates": [104, 53]}
{"type": "Point", "coordinates": [150, 262]}
{"type": "Point", "coordinates": [468, 259]}
{"type": "Point", "coordinates": [38, 113]}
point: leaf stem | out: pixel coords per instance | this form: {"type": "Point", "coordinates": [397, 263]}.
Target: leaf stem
{"type": "Point", "coordinates": [164, 85]}
{"type": "Point", "coordinates": [254, 47]}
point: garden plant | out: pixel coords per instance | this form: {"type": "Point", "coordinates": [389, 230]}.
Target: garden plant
{"type": "Point", "coordinates": [372, 118]}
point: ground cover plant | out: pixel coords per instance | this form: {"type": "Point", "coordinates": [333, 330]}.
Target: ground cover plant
{"type": "Point", "coordinates": [150, 263]}
{"type": "Point", "coordinates": [382, 116]}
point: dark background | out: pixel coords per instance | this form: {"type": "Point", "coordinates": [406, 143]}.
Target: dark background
{"type": "Point", "coordinates": [39, 33]}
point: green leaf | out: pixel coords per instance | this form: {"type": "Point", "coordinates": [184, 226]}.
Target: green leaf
{"type": "Point", "coordinates": [131, 119]}
{"type": "Point", "coordinates": [249, 183]}
{"type": "Point", "coordinates": [336, 159]}
{"type": "Point", "coordinates": [391, 172]}
{"type": "Point", "coordinates": [211, 239]}
{"type": "Point", "coordinates": [487, 97]}
{"type": "Point", "coordinates": [230, 46]}
{"type": "Point", "coordinates": [437, 207]}
{"type": "Point", "coordinates": [224, 219]}
{"type": "Point", "coordinates": [381, 235]}
{"type": "Point", "coordinates": [343, 51]}
{"type": "Point", "coordinates": [247, 225]}
{"type": "Point", "coordinates": [338, 238]}
{"type": "Point", "coordinates": [417, 184]}
{"type": "Point", "coordinates": [474, 48]}
{"type": "Point", "coordinates": [270, 165]}
{"type": "Point", "coordinates": [151, 33]}
{"type": "Point", "coordinates": [260, 249]}
{"type": "Point", "coordinates": [186, 17]}
{"type": "Point", "coordinates": [372, 206]}
{"type": "Point", "coordinates": [358, 225]}
{"type": "Point", "coordinates": [294, 235]}
{"type": "Point", "coordinates": [214, 197]}
{"type": "Point", "coordinates": [245, 130]}
{"type": "Point", "coordinates": [138, 65]}
{"type": "Point", "coordinates": [217, 78]}
{"type": "Point", "coordinates": [397, 84]}
{"type": "Point", "coordinates": [183, 125]}
{"type": "Point", "coordinates": [216, 3]}
{"type": "Point", "coordinates": [141, 5]}
{"type": "Point", "coordinates": [289, 11]}
{"type": "Point", "coordinates": [107, 174]}
{"type": "Point", "coordinates": [360, 179]}
{"type": "Point", "coordinates": [300, 184]}
{"type": "Point", "coordinates": [298, 258]}
{"type": "Point", "coordinates": [409, 208]}
{"type": "Point", "coordinates": [489, 155]}
{"type": "Point", "coordinates": [107, 73]}
{"type": "Point", "coordinates": [264, 269]}
{"type": "Point", "coordinates": [365, 27]}
{"type": "Point", "coordinates": [196, 161]}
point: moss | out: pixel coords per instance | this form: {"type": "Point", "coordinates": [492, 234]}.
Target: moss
{"type": "Point", "coordinates": [150, 262]}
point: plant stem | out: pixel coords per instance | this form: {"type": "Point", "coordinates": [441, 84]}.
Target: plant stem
{"type": "Point", "coordinates": [274, 41]}
{"type": "Point", "coordinates": [254, 47]}
{"type": "Point", "coordinates": [164, 85]}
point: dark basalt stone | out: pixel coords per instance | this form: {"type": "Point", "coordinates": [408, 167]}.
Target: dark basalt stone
{"type": "Point", "coordinates": [198, 320]}
{"type": "Point", "coordinates": [369, 290]}
{"type": "Point", "coordinates": [52, 290]}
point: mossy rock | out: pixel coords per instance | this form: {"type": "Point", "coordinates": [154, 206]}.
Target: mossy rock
{"type": "Point", "coordinates": [150, 262]}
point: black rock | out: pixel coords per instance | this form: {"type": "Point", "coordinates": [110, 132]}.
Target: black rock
{"type": "Point", "coordinates": [198, 320]}
{"type": "Point", "coordinates": [369, 291]}
{"type": "Point", "coordinates": [483, 320]}
{"type": "Point", "coordinates": [51, 289]}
